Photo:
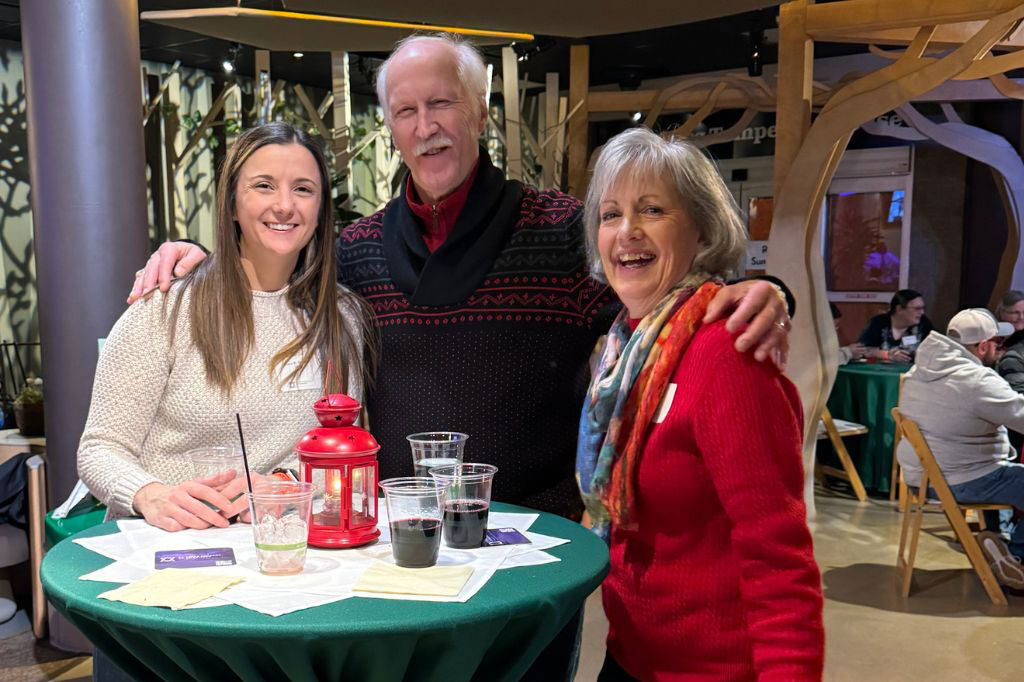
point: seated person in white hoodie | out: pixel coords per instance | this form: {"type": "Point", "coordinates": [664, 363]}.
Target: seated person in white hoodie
{"type": "Point", "coordinates": [963, 408]}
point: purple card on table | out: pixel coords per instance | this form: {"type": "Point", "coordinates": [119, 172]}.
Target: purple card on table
{"type": "Point", "coordinates": [195, 558]}
{"type": "Point", "coordinates": [504, 536]}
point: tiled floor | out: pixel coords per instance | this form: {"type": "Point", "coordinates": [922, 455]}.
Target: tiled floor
{"type": "Point", "coordinates": [947, 629]}
{"type": "Point", "coordinates": [23, 659]}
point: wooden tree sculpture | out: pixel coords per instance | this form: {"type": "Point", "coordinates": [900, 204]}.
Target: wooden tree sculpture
{"type": "Point", "coordinates": [794, 245]}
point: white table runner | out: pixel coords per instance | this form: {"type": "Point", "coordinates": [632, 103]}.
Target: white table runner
{"type": "Point", "coordinates": [329, 575]}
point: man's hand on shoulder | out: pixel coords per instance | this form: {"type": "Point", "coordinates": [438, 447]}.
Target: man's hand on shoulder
{"type": "Point", "coordinates": [758, 305]}
{"type": "Point", "coordinates": [179, 258]}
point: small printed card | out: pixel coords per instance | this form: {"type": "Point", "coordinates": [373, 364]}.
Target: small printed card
{"type": "Point", "coordinates": [496, 537]}
{"type": "Point", "coordinates": [195, 558]}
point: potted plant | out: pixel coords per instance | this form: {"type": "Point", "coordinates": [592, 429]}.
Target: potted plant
{"type": "Point", "coordinates": [28, 408]}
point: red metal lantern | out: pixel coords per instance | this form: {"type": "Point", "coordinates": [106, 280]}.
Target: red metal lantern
{"type": "Point", "coordinates": [340, 459]}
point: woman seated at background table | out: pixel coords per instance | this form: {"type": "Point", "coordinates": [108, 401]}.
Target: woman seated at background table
{"type": "Point", "coordinates": [1011, 309]}
{"type": "Point", "coordinates": [689, 456]}
{"type": "Point", "coordinates": [247, 331]}
{"type": "Point", "coordinates": [894, 336]}
{"type": "Point", "coordinates": [855, 351]}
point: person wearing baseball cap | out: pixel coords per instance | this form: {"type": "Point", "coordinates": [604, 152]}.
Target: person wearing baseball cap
{"type": "Point", "coordinates": [964, 408]}
{"type": "Point", "coordinates": [976, 326]}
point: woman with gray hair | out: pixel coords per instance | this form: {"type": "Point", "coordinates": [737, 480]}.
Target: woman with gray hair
{"type": "Point", "coordinates": [689, 452]}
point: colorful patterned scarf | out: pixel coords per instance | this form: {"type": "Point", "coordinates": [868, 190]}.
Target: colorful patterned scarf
{"type": "Point", "coordinates": [627, 388]}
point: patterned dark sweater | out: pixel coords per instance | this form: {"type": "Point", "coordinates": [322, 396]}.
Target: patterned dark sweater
{"type": "Point", "coordinates": [490, 334]}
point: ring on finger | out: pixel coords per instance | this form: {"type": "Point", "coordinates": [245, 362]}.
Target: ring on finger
{"type": "Point", "coordinates": [784, 325]}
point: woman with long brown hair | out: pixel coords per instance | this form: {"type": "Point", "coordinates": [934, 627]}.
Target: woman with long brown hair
{"type": "Point", "coordinates": [249, 331]}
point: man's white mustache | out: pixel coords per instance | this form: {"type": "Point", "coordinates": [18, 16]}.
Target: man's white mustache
{"type": "Point", "coordinates": [433, 143]}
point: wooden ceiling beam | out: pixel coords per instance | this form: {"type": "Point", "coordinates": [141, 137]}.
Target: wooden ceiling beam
{"type": "Point", "coordinates": [946, 36]}
{"type": "Point", "coordinates": [688, 100]}
{"type": "Point", "coordinates": [858, 16]}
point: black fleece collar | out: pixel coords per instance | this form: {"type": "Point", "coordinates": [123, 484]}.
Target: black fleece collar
{"type": "Point", "coordinates": [454, 271]}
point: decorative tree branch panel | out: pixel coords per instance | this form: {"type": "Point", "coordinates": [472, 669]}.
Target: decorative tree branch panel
{"type": "Point", "coordinates": [794, 245]}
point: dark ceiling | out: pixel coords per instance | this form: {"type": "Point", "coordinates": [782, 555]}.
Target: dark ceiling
{"type": "Point", "coordinates": [625, 58]}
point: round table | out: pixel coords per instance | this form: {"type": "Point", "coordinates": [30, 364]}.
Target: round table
{"type": "Point", "coordinates": [866, 393]}
{"type": "Point", "coordinates": [495, 635]}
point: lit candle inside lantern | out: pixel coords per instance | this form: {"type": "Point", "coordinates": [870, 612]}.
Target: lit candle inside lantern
{"type": "Point", "coordinates": [332, 491]}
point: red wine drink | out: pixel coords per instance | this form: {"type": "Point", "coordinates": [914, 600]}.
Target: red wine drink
{"type": "Point", "coordinates": [415, 542]}
{"type": "Point", "coordinates": [465, 523]}
{"type": "Point", "coordinates": [415, 508]}
{"type": "Point", "coordinates": [468, 493]}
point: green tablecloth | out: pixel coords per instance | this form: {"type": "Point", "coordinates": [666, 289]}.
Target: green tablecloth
{"type": "Point", "coordinates": [494, 636]}
{"type": "Point", "coordinates": [865, 393]}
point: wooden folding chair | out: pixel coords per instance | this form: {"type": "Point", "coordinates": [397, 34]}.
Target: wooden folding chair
{"type": "Point", "coordinates": [835, 433]}
{"type": "Point", "coordinates": [911, 525]}
{"type": "Point", "coordinates": [896, 477]}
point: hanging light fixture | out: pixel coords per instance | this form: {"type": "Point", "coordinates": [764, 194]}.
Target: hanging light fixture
{"type": "Point", "coordinates": [229, 61]}
{"type": "Point", "coordinates": [754, 61]}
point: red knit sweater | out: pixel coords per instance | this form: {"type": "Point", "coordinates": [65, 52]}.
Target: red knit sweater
{"type": "Point", "coordinates": [719, 581]}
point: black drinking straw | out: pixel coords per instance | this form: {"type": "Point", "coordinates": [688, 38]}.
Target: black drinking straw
{"type": "Point", "coordinates": [245, 458]}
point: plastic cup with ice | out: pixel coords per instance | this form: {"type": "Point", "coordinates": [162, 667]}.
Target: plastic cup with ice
{"type": "Point", "coordinates": [280, 525]}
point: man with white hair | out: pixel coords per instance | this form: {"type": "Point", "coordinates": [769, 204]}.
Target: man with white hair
{"type": "Point", "coordinates": [963, 408]}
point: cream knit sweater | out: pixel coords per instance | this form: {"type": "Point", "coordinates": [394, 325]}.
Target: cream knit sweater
{"type": "Point", "coordinates": [151, 402]}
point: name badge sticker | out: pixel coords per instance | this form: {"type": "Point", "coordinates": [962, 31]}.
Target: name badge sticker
{"type": "Point", "coordinates": [666, 404]}
{"type": "Point", "coordinates": [307, 380]}
{"type": "Point", "coordinates": [910, 340]}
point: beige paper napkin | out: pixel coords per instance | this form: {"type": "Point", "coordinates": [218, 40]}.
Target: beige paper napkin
{"type": "Point", "coordinates": [176, 588]}
{"type": "Point", "coordinates": [436, 581]}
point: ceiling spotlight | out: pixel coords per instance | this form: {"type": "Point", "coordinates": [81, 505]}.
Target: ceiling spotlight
{"type": "Point", "coordinates": [526, 50]}
{"type": "Point", "coordinates": [232, 57]}
{"type": "Point", "coordinates": [297, 55]}
{"type": "Point", "coordinates": [754, 61]}
{"type": "Point", "coordinates": [637, 116]}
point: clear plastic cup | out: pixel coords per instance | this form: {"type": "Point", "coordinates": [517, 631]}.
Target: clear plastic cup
{"type": "Point", "coordinates": [280, 525]}
{"type": "Point", "coordinates": [210, 461]}
{"type": "Point", "coordinates": [414, 514]}
{"type": "Point", "coordinates": [467, 503]}
{"type": "Point", "coordinates": [435, 448]}
{"type": "Point", "coordinates": [214, 460]}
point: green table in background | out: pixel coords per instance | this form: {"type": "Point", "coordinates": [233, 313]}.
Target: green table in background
{"type": "Point", "coordinates": [80, 519]}
{"type": "Point", "coordinates": [865, 393]}
{"type": "Point", "coordinates": [494, 636]}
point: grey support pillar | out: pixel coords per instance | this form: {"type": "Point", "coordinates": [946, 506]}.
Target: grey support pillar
{"type": "Point", "coordinates": [88, 196]}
